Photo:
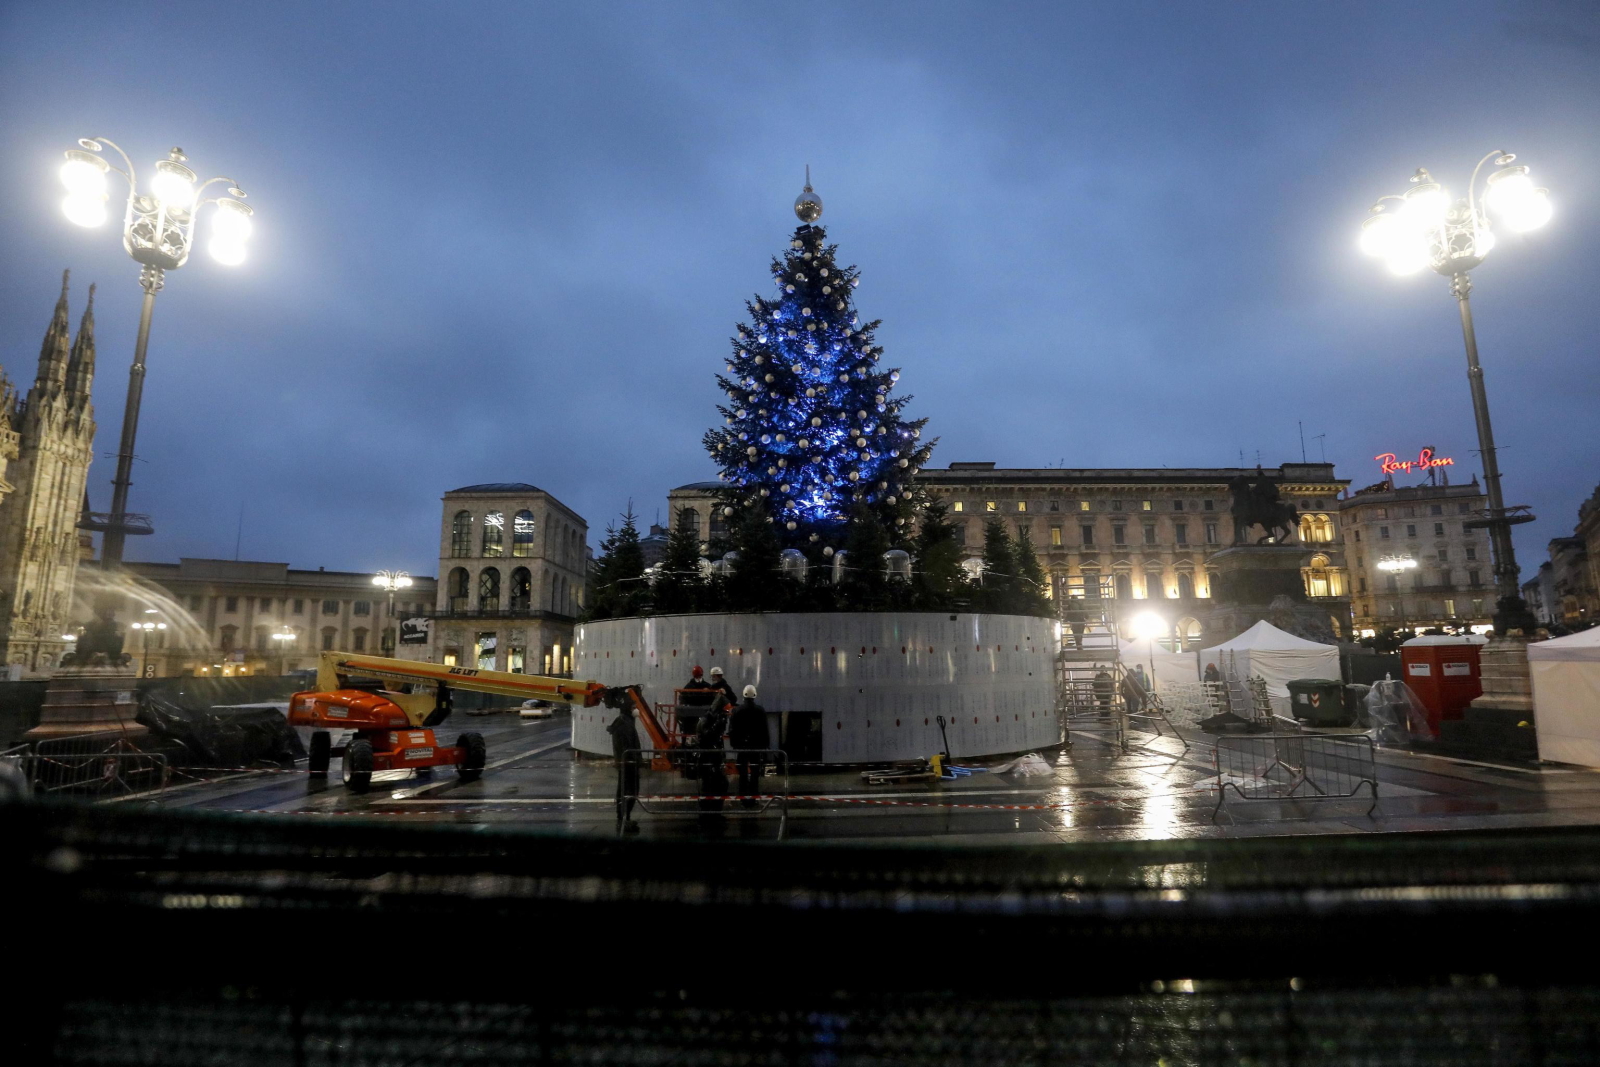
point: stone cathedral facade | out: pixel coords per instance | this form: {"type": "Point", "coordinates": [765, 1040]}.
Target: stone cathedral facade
{"type": "Point", "coordinates": [46, 443]}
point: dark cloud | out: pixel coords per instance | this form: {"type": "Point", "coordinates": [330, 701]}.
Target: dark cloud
{"type": "Point", "coordinates": [509, 241]}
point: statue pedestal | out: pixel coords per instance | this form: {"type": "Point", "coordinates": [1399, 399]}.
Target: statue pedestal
{"type": "Point", "coordinates": [88, 700]}
{"type": "Point", "coordinates": [1503, 670]}
{"type": "Point", "coordinates": [1256, 582]}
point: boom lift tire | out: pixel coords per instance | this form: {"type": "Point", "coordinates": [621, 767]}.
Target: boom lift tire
{"type": "Point", "coordinates": [474, 754]}
{"type": "Point", "coordinates": [358, 765]}
{"type": "Point", "coordinates": [320, 754]}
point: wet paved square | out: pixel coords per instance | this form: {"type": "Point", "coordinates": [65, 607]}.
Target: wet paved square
{"type": "Point", "coordinates": [1094, 792]}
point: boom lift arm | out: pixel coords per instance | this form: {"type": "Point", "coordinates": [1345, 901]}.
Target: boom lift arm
{"type": "Point", "coordinates": [394, 728]}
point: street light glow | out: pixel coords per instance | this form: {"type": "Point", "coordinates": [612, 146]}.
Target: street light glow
{"type": "Point", "coordinates": [84, 210]}
{"type": "Point", "coordinates": [1397, 563]}
{"type": "Point", "coordinates": [1149, 626]}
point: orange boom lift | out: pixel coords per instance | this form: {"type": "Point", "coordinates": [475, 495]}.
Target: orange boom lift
{"type": "Point", "coordinates": [393, 705]}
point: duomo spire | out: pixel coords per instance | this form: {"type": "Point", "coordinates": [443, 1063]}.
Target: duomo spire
{"type": "Point", "coordinates": [80, 366]}
{"type": "Point", "coordinates": [55, 351]}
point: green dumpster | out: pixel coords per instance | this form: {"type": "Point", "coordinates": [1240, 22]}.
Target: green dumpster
{"type": "Point", "coordinates": [1319, 701]}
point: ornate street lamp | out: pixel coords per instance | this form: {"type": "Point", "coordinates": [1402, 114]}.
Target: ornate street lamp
{"type": "Point", "coordinates": [390, 581]}
{"type": "Point", "coordinates": [158, 231]}
{"type": "Point", "coordinates": [284, 637]}
{"type": "Point", "coordinates": [147, 627]}
{"type": "Point", "coordinates": [1425, 228]}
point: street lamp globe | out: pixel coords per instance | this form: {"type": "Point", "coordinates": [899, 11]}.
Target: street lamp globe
{"type": "Point", "coordinates": [173, 183]}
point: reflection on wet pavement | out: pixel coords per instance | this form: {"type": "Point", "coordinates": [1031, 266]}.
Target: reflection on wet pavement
{"type": "Point", "coordinates": [1094, 793]}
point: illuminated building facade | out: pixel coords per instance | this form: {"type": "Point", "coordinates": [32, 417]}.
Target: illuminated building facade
{"type": "Point", "coordinates": [511, 581]}
{"type": "Point", "coordinates": [1452, 582]}
{"type": "Point", "coordinates": [1144, 533]}
{"type": "Point", "coordinates": [222, 617]}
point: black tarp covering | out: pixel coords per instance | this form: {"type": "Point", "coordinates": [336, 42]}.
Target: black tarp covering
{"type": "Point", "coordinates": [200, 726]}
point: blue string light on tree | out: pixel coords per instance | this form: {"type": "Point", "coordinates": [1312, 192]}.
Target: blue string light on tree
{"type": "Point", "coordinates": [810, 431]}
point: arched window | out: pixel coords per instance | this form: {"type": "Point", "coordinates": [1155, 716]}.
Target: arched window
{"type": "Point", "coordinates": [1318, 580]}
{"type": "Point", "coordinates": [1124, 587]}
{"type": "Point", "coordinates": [456, 587]}
{"type": "Point", "coordinates": [358, 640]}
{"type": "Point", "coordinates": [1155, 587]}
{"type": "Point", "coordinates": [1185, 586]}
{"type": "Point", "coordinates": [689, 519]}
{"type": "Point", "coordinates": [489, 589]}
{"type": "Point", "coordinates": [522, 533]}
{"type": "Point", "coordinates": [227, 638]}
{"type": "Point", "coordinates": [329, 635]}
{"type": "Point", "coordinates": [521, 589]}
{"type": "Point", "coordinates": [494, 534]}
{"type": "Point", "coordinates": [461, 534]}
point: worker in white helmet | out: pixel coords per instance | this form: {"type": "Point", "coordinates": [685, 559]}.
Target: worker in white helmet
{"type": "Point", "coordinates": [721, 685]}
{"type": "Point", "coordinates": [747, 731]}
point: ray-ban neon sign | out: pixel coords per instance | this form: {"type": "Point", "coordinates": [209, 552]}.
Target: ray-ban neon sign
{"type": "Point", "coordinates": [1425, 460]}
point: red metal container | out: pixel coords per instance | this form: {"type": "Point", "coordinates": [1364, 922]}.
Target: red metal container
{"type": "Point", "coordinates": [1442, 669]}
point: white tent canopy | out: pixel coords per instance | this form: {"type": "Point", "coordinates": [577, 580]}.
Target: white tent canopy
{"type": "Point", "coordinates": [1275, 655]}
{"type": "Point", "coordinates": [1170, 667]}
{"type": "Point", "coordinates": [1566, 697]}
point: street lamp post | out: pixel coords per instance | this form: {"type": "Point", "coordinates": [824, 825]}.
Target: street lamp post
{"type": "Point", "coordinates": [147, 627]}
{"type": "Point", "coordinates": [282, 638]}
{"type": "Point", "coordinates": [1425, 228]}
{"type": "Point", "coordinates": [1395, 566]}
{"type": "Point", "coordinates": [158, 229]}
{"type": "Point", "coordinates": [391, 581]}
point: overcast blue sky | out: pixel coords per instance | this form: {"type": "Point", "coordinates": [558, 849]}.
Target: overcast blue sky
{"type": "Point", "coordinates": [508, 242]}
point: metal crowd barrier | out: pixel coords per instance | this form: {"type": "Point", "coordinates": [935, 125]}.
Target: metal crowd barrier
{"type": "Point", "coordinates": [1294, 766]}
{"type": "Point", "coordinates": [104, 762]}
{"type": "Point", "coordinates": [669, 783]}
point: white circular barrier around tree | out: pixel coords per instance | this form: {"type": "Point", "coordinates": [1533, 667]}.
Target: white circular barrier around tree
{"type": "Point", "coordinates": [877, 680]}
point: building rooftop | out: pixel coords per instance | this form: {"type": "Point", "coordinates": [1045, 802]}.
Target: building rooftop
{"type": "Point", "coordinates": [698, 487]}
{"type": "Point", "coordinates": [497, 487]}
{"type": "Point", "coordinates": [986, 471]}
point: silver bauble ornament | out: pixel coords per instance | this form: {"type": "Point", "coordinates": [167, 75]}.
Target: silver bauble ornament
{"type": "Point", "coordinates": [813, 537]}
{"type": "Point", "coordinates": [808, 205]}
{"type": "Point", "coordinates": [827, 551]}
{"type": "Point", "coordinates": [791, 524]}
{"type": "Point", "coordinates": [727, 513]}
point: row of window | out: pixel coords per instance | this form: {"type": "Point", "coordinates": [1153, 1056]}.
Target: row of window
{"type": "Point", "coordinates": [228, 640]}
{"type": "Point", "coordinates": [1443, 580]}
{"type": "Point", "coordinates": [992, 507]}
{"type": "Point", "coordinates": [1410, 511]}
{"type": "Point", "coordinates": [1086, 534]}
{"type": "Point", "coordinates": [1121, 586]}
{"type": "Point", "coordinates": [297, 605]}
{"type": "Point", "coordinates": [493, 541]}
{"type": "Point", "coordinates": [1411, 531]}
{"type": "Point", "coordinates": [520, 591]}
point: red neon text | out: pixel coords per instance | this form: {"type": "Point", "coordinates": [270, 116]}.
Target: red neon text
{"type": "Point", "coordinates": [1425, 459]}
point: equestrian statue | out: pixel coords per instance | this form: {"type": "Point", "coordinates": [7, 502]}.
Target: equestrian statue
{"type": "Point", "coordinates": [1259, 505]}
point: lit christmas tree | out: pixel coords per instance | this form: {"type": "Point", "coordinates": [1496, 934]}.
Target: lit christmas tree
{"type": "Point", "coordinates": [813, 434]}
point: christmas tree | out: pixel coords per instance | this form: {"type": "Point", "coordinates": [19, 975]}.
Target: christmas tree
{"type": "Point", "coordinates": [813, 435]}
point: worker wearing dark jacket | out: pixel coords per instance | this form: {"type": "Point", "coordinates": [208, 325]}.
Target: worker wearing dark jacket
{"type": "Point", "coordinates": [747, 731]}
{"type": "Point", "coordinates": [693, 699]}
{"type": "Point", "coordinates": [713, 759]}
{"type": "Point", "coordinates": [625, 747]}
{"type": "Point", "coordinates": [721, 685]}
